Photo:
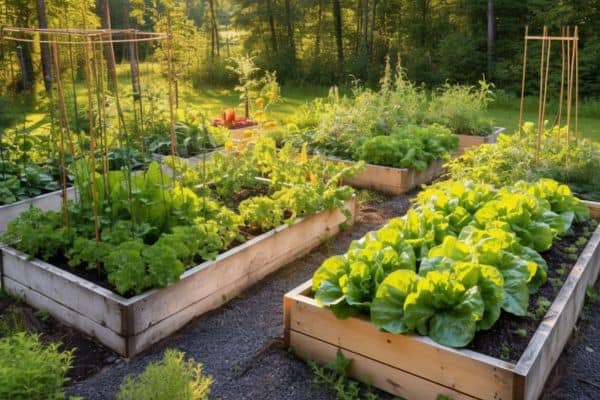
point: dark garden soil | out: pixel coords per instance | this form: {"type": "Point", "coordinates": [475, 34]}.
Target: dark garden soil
{"type": "Point", "coordinates": [89, 357]}
{"type": "Point", "coordinates": [510, 335]}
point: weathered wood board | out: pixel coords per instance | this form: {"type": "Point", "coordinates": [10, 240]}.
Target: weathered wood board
{"type": "Point", "coordinates": [131, 325]}
{"type": "Point", "coordinates": [465, 142]}
{"type": "Point", "coordinates": [49, 201]}
{"type": "Point", "coordinates": [415, 367]}
{"type": "Point", "coordinates": [393, 180]}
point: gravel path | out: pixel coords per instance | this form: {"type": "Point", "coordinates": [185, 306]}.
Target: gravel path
{"type": "Point", "coordinates": [240, 344]}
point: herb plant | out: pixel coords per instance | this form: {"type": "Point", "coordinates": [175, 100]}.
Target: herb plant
{"type": "Point", "coordinates": [172, 377]}
{"type": "Point", "coordinates": [30, 370]}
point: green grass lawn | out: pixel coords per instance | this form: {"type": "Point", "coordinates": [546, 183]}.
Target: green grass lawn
{"type": "Point", "coordinates": [508, 117]}
{"type": "Point", "coordinates": [212, 101]}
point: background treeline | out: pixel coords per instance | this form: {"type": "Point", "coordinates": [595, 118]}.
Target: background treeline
{"type": "Point", "coordinates": [334, 41]}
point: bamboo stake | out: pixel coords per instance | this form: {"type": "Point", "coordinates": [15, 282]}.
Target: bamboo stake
{"type": "Point", "coordinates": [570, 88]}
{"type": "Point", "coordinates": [576, 44]}
{"type": "Point", "coordinates": [523, 81]}
{"type": "Point", "coordinates": [562, 85]}
{"type": "Point", "coordinates": [540, 122]}
{"type": "Point", "coordinates": [62, 123]}
{"type": "Point", "coordinates": [171, 99]}
{"type": "Point", "coordinates": [88, 80]}
{"type": "Point", "coordinates": [546, 84]}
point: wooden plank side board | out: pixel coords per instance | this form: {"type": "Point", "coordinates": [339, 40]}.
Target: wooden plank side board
{"type": "Point", "coordinates": [49, 201]}
{"type": "Point", "coordinates": [69, 316]}
{"type": "Point", "coordinates": [466, 142]}
{"type": "Point", "coordinates": [129, 326]}
{"type": "Point", "coordinates": [239, 267]}
{"type": "Point", "coordinates": [414, 355]}
{"type": "Point", "coordinates": [393, 180]}
{"type": "Point", "coordinates": [372, 372]}
{"type": "Point", "coordinates": [96, 303]}
{"type": "Point", "coordinates": [550, 338]}
{"type": "Point", "coordinates": [464, 371]}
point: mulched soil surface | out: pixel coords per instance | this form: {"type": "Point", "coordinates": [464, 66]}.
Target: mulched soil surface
{"type": "Point", "coordinates": [510, 335]}
{"type": "Point", "coordinates": [241, 343]}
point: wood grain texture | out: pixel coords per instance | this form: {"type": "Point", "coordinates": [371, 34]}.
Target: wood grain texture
{"type": "Point", "coordinates": [393, 180]}
{"type": "Point", "coordinates": [375, 373]}
{"type": "Point", "coordinates": [414, 355]}
{"type": "Point", "coordinates": [70, 316]}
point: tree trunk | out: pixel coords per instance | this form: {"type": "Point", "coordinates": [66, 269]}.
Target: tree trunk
{"type": "Point", "coordinates": [215, 30]}
{"type": "Point", "coordinates": [290, 30]}
{"type": "Point", "coordinates": [318, 32]}
{"type": "Point", "coordinates": [272, 25]}
{"type": "Point", "coordinates": [46, 57]}
{"type": "Point", "coordinates": [109, 53]}
{"type": "Point", "coordinates": [365, 27]}
{"type": "Point", "coordinates": [372, 38]}
{"type": "Point", "coordinates": [337, 24]}
{"type": "Point", "coordinates": [491, 37]}
{"type": "Point", "coordinates": [26, 65]}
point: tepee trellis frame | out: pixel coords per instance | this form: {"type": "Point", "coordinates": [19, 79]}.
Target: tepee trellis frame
{"type": "Point", "coordinates": [92, 41]}
{"type": "Point", "coordinates": [569, 41]}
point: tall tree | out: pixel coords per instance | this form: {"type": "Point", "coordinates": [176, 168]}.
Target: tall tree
{"type": "Point", "coordinates": [272, 25]}
{"type": "Point", "coordinates": [290, 30]}
{"type": "Point", "coordinates": [44, 47]}
{"type": "Point", "coordinates": [337, 24]}
{"type": "Point", "coordinates": [365, 27]}
{"type": "Point", "coordinates": [491, 37]}
{"type": "Point", "coordinates": [215, 45]}
{"type": "Point", "coordinates": [109, 53]}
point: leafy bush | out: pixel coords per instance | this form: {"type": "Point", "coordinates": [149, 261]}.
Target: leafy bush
{"type": "Point", "coordinates": [460, 108]}
{"type": "Point", "coordinates": [513, 158]}
{"type": "Point", "coordinates": [261, 213]}
{"type": "Point", "coordinates": [30, 370]}
{"type": "Point", "coordinates": [447, 268]}
{"type": "Point", "coordinates": [412, 147]}
{"type": "Point", "coordinates": [21, 180]}
{"type": "Point", "coordinates": [170, 378]}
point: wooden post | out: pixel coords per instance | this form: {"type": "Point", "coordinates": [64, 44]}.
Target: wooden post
{"type": "Point", "coordinates": [88, 80]}
{"type": "Point", "coordinates": [540, 101]}
{"type": "Point", "coordinates": [523, 80]}
{"type": "Point", "coordinates": [62, 125]}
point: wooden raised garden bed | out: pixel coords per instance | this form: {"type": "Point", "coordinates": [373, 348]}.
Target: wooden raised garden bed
{"type": "Point", "coordinates": [48, 201]}
{"type": "Point", "coordinates": [393, 180]}
{"type": "Point", "coordinates": [416, 367]}
{"type": "Point", "coordinates": [131, 325]}
{"type": "Point", "coordinates": [465, 142]}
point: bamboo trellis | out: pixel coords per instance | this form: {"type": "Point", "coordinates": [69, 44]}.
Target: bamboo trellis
{"type": "Point", "coordinates": [569, 41]}
{"type": "Point", "coordinates": [91, 42]}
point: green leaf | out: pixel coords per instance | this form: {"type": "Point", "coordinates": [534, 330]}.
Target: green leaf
{"type": "Point", "coordinates": [387, 308]}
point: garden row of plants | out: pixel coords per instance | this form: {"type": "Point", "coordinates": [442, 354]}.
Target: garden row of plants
{"type": "Point", "coordinates": [463, 254]}
{"type": "Point", "coordinates": [401, 125]}
{"type": "Point", "coordinates": [513, 158]}
{"type": "Point", "coordinates": [142, 231]}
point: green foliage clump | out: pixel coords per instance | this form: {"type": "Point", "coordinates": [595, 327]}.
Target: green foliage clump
{"type": "Point", "coordinates": [412, 147]}
{"type": "Point", "coordinates": [24, 179]}
{"type": "Point", "coordinates": [172, 377]}
{"type": "Point", "coordinates": [30, 370]}
{"type": "Point", "coordinates": [448, 268]}
{"type": "Point", "coordinates": [461, 108]}
{"type": "Point", "coordinates": [261, 213]}
{"type": "Point", "coordinates": [513, 158]}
